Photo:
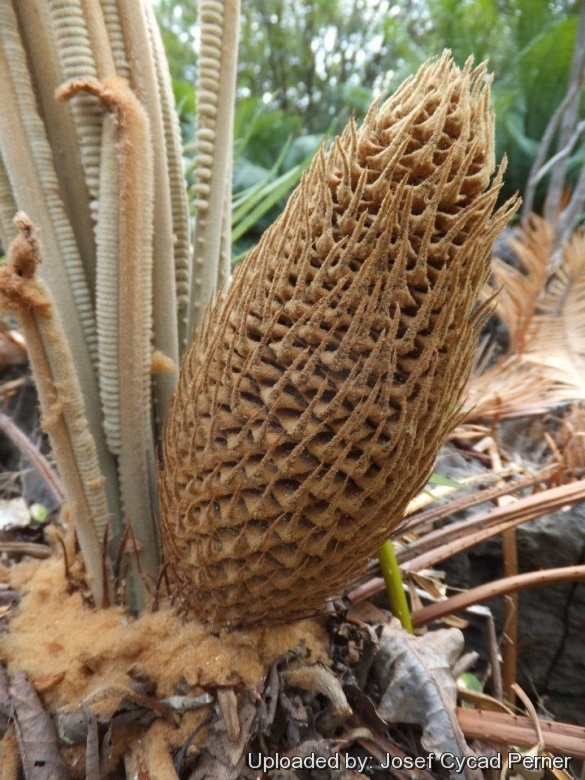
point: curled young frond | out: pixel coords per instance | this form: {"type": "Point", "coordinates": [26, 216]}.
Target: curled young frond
{"type": "Point", "coordinates": [126, 379]}
{"type": "Point", "coordinates": [22, 292]}
{"type": "Point", "coordinates": [216, 84]}
{"type": "Point", "coordinates": [180, 213]}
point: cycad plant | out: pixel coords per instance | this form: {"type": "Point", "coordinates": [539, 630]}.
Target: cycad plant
{"type": "Point", "coordinates": [320, 383]}
{"type": "Point", "coordinates": [91, 156]}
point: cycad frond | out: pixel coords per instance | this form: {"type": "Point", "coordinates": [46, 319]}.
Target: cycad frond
{"type": "Point", "coordinates": [544, 312]}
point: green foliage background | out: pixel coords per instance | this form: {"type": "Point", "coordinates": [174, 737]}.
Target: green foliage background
{"type": "Point", "coordinates": [307, 66]}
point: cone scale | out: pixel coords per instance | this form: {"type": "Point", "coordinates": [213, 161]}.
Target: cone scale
{"type": "Point", "coordinates": [311, 407]}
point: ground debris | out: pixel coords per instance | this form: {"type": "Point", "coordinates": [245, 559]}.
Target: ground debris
{"type": "Point", "coordinates": [415, 675]}
{"type": "Point", "coordinates": [307, 719]}
{"type": "Point", "coordinates": [224, 758]}
{"type": "Point", "coordinates": [376, 703]}
{"type": "Point", "coordinates": [35, 732]}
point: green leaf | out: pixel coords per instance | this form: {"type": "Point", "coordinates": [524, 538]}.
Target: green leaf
{"type": "Point", "coordinates": [440, 479]}
{"type": "Point", "coordinates": [38, 513]}
{"type": "Point", "coordinates": [262, 199]}
{"type": "Point", "coordinates": [471, 683]}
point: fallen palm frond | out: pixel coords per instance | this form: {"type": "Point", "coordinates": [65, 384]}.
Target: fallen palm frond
{"type": "Point", "coordinates": [496, 589]}
{"type": "Point", "coordinates": [442, 543]}
{"type": "Point", "coordinates": [519, 289]}
{"type": "Point", "coordinates": [559, 328]}
{"type": "Point", "coordinates": [503, 729]}
{"type": "Point", "coordinates": [543, 310]}
{"type": "Point", "coordinates": [516, 387]}
{"type": "Point", "coordinates": [474, 498]}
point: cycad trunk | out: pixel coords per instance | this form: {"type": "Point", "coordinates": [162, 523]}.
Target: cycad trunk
{"type": "Point", "coordinates": [311, 407]}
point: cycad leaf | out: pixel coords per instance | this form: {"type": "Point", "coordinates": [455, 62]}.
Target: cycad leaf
{"type": "Point", "coordinates": [515, 386]}
{"type": "Point", "coordinates": [544, 314]}
{"type": "Point", "coordinates": [558, 333]}
{"type": "Point", "coordinates": [519, 290]}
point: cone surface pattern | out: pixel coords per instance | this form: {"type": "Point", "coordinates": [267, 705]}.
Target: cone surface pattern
{"type": "Point", "coordinates": [311, 407]}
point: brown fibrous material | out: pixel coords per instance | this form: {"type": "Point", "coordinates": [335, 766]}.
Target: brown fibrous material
{"type": "Point", "coordinates": [312, 404]}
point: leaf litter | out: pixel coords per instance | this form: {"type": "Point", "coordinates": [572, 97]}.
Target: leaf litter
{"type": "Point", "coordinates": [125, 698]}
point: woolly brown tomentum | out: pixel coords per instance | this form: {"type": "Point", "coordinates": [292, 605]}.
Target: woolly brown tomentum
{"type": "Point", "coordinates": [311, 408]}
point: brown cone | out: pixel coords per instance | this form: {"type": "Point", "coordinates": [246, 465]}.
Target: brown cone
{"type": "Point", "coordinates": [311, 408]}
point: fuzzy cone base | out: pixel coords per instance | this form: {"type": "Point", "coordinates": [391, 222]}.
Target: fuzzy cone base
{"type": "Point", "coordinates": [310, 409]}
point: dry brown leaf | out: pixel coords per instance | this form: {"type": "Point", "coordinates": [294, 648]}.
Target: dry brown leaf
{"type": "Point", "coordinates": [228, 705]}
{"type": "Point", "coordinates": [543, 310]}
{"type": "Point", "coordinates": [319, 679]}
{"type": "Point", "coordinates": [223, 759]}
{"type": "Point", "coordinates": [415, 675]}
{"type": "Point", "coordinates": [516, 386]}
{"type": "Point", "coordinates": [5, 703]}
{"type": "Point", "coordinates": [519, 290]}
{"type": "Point", "coordinates": [504, 729]}
{"type": "Point", "coordinates": [558, 330]}
{"type": "Point", "coordinates": [35, 732]}
{"type": "Point", "coordinates": [92, 751]}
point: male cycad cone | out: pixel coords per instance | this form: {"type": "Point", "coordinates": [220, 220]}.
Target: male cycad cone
{"type": "Point", "coordinates": [310, 409]}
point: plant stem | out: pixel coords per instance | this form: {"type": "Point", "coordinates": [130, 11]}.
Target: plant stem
{"type": "Point", "coordinates": [394, 587]}
{"type": "Point", "coordinates": [144, 84]}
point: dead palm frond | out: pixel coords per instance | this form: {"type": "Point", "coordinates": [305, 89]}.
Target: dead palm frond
{"type": "Point", "coordinates": [543, 310]}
